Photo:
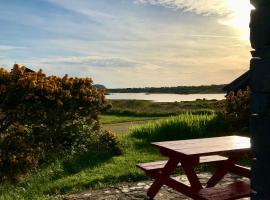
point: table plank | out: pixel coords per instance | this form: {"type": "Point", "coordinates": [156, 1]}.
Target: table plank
{"type": "Point", "coordinates": [207, 146]}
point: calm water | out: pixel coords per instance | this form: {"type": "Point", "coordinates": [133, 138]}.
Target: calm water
{"type": "Point", "coordinates": [165, 97]}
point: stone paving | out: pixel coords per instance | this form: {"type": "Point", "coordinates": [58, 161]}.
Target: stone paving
{"type": "Point", "coordinates": [137, 191]}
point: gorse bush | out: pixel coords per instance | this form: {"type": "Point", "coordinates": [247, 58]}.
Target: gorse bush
{"type": "Point", "coordinates": [238, 109]}
{"type": "Point", "coordinates": [107, 142]}
{"type": "Point", "coordinates": [44, 115]}
{"type": "Point", "coordinates": [18, 152]}
{"type": "Point", "coordinates": [35, 97]}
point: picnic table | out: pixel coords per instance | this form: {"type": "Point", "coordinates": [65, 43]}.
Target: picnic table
{"type": "Point", "coordinates": [225, 152]}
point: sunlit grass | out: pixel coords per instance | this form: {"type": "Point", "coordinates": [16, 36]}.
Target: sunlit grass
{"type": "Point", "coordinates": [184, 126]}
{"type": "Point", "coordinates": [156, 109]}
{"type": "Point", "coordinates": [107, 119]}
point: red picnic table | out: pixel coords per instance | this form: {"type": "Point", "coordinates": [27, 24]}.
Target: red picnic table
{"type": "Point", "coordinates": [223, 151]}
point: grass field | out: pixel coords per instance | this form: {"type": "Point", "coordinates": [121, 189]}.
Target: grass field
{"type": "Point", "coordinates": [149, 108]}
{"type": "Point", "coordinates": [109, 119]}
{"type": "Point", "coordinates": [103, 169]}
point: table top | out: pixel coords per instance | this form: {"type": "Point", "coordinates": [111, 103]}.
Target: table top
{"type": "Point", "coordinates": [207, 146]}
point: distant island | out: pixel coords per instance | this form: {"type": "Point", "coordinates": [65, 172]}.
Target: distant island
{"type": "Point", "coordinates": [203, 89]}
{"type": "Point", "coordinates": [99, 86]}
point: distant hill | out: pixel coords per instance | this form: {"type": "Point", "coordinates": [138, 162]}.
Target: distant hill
{"type": "Point", "coordinates": [99, 86]}
{"type": "Point", "coordinates": [203, 89]}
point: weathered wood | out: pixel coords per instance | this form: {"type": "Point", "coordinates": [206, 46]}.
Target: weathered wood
{"type": "Point", "coordinates": [259, 28]}
{"type": "Point", "coordinates": [261, 103]}
{"type": "Point", "coordinates": [223, 170]}
{"type": "Point", "coordinates": [261, 178]}
{"type": "Point", "coordinates": [258, 3]}
{"type": "Point", "coordinates": [232, 191]}
{"type": "Point", "coordinates": [189, 160]}
{"type": "Point", "coordinates": [260, 87]}
{"type": "Point", "coordinates": [206, 146]}
{"type": "Point", "coordinates": [178, 186]}
{"type": "Point", "coordinates": [241, 171]}
{"type": "Point", "coordinates": [260, 75]}
{"type": "Point", "coordinates": [241, 83]}
{"type": "Point", "coordinates": [160, 177]}
{"type": "Point", "coordinates": [158, 165]}
{"type": "Point", "coordinates": [192, 176]}
{"type": "Point", "coordinates": [260, 126]}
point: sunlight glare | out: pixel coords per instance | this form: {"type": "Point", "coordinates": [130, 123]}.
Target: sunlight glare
{"type": "Point", "coordinates": [239, 17]}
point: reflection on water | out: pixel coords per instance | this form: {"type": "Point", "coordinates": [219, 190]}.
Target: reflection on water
{"type": "Point", "coordinates": [164, 97]}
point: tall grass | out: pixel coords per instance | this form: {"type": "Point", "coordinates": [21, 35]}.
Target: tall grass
{"type": "Point", "coordinates": [184, 126]}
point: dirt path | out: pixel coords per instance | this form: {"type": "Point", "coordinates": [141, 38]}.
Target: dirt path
{"type": "Point", "coordinates": [123, 127]}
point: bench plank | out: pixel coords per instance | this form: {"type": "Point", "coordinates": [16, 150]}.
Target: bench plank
{"type": "Point", "coordinates": [151, 166]}
{"type": "Point", "coordinates": [232, 191]}
{"type": "Point", "coordinates": [241, 171]}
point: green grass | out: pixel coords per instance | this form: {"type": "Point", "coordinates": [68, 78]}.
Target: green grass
{"type": "Point", "coordinates": [83, 172]}
{"type": "Point", "coordinates": [100, 170]}
{"type": "Point", "coordinates": [108, 119]}
{"type": "Point", "coordinates": [185, 126]}
{"type": "Point", "coordinates": [149, 108]}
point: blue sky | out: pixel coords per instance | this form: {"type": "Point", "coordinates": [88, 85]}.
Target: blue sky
{"type": "Point", "coordinates": [128, 43]}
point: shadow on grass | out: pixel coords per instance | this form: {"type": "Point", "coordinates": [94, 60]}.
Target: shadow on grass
{"type": "Point", "coordinates": [144, 147]}
{"type": "Point", "coordinates": [106, 181]}
{"type": "Point", "coordinates": [85, 161]}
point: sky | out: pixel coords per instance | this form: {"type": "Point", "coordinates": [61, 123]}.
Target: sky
{"type": "Point", "coordinates": [128, 43]}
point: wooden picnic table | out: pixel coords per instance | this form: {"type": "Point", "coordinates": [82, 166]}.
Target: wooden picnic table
{"type": "Point", "coordinates": [188, 154]}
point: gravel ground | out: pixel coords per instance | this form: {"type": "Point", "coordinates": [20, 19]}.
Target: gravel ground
{"type": "Point", "coordinates": [137, 191]}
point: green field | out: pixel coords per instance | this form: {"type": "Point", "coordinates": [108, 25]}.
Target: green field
{"type": "Point", "coordinates": [148, 108]}
{"type": "Point", "coordinates": [109, 119]}
{"type": "Point", "coordinates": [97, 170]}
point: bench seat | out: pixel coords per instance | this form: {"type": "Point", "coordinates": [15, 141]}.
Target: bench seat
{"type": "Point", "coordinates": [158, 165]}
{"type": "Point", "coordinates": [232, 191]}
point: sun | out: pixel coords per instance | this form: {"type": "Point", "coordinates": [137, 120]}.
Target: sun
{"type": "Point", "coordinates": [239, 16]}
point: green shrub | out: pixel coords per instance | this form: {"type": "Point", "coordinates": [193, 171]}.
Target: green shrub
{"type": "Point", "coordinates": [43, 116]}
{"type": "Point", "coordinates": [108, 142]}
{"type": "Point", "coordinates": [238, 109]}
{"type": "Point", "coordinates": [18, 152]}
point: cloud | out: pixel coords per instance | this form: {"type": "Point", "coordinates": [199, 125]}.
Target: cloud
{"type": "Point", "coordinates": [9, 48]}
{"type": "Point", "coordinates": [232, 13]}
{"type": "Point", "coordinates": [119, 43]}
{"type": "Point", "coordinates": [204, 7]}
{"type": "Point", "coordinates": [92, 61]}
{"type": "Point", "coordinates": [84, 8]}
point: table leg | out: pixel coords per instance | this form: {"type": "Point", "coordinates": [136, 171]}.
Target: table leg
{"type": "Point", "coordinates": [158, 182]}
{"type": "Point", "coordinates": [192, 176]}
{"type": "Point", "coordinates": [180, 187]}
{"type": "Point", "coordinates": [220, 173]}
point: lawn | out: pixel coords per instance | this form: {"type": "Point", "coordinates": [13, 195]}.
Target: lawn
{"type": "Point", "coordinates": [90, 170]}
